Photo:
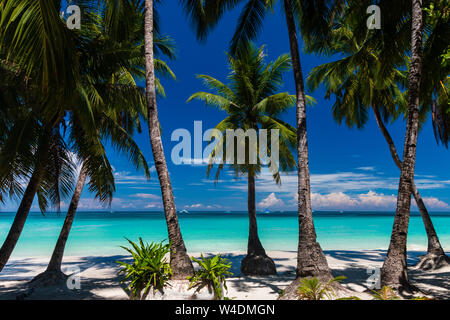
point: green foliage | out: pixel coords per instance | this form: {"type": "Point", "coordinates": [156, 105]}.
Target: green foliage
{"type": "Point", "coordinates": [251, 100]}
{"type": "Point", "coordinates": [149, 268]}
{"type": "Point", "coordinates": [212, 274]}
{"type": "Point", "coordinates": [385, 293]}
{"type": "Point", "coordinates": [349, 298]}
{"type": "Point", "coordinates": [421, 298]}
{"type": "Point", "coordinates": [314, 289]}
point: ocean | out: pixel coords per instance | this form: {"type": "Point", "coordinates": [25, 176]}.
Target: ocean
{"type": "Point", "coordinates": [102, 233]}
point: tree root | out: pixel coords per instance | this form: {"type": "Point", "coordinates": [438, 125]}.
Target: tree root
{"type": "Point", "coordinates": [48, 279]}
{"type": "Point", "coordinates": [432, 261]}
{"type": "Point", "coordinates": [258, 265]}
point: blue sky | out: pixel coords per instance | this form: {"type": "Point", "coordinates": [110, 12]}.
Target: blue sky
{"type": "Point", "coordinates": [350, 169]}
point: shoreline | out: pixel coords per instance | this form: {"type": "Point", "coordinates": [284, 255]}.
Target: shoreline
{"type": "Point", "coordinates": [99, 279]}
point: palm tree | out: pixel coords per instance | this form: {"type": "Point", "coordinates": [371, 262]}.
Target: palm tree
{"type": "Point", "coordinates": [42, 63]}
{"type": "Point", "coordinates": [252, 102]}
{"type": "Point", "coordinates": [44, 161]}
{"type": "Point", "coordinates": [313, 19]}
{"type": "Point", "coordinates": [394, 272]}
{"type": "Point", "coordinates": [33, 147]}
{"type": "Point", "coordinates": [118, 104]}
{"type": "Point", "coordinates": [372, 86]}
{"type": "Point", "coordinates": [179, 260]}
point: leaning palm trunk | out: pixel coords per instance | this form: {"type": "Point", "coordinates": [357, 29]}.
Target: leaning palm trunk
{"type": "Point", "coordinates": [21, 216]}
{"type": "Point", "coordinates": [25, 205]}
{"type": "Point", "coordinates": [311, 261]}
{"type": "Point", "coordinates": [394, 272]}
{"type": "Point", "coordinates": [179, 260]}
{"type": "Point", "coordinates": [53, 274]}
{"type": "Point", "coordinates": [256, 262]}
{"type": "Point", "coordinates": [435, 257]}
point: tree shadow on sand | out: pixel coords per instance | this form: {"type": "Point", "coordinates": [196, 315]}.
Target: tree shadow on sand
{"type": "Point", "coordinates": [102, 281]}
{"type": "Point", "coordinates": [16, 276]}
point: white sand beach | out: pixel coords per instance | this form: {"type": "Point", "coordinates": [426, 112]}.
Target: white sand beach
{"type": "Point", "coordinates": [99, 279]}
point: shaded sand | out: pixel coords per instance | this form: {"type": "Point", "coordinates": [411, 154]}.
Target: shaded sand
{"type": "Point", "coordinates": [99, 279]}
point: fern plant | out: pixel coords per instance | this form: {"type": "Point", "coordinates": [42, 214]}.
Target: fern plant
{"type": "Point", "coordinates": [385, 293]}
{"type": "Point", "coordinates": [314, 289]}
{"type": "Point", "coordinates": [212, 273]}
{"type": "Point", "coordinates": [149, 269]}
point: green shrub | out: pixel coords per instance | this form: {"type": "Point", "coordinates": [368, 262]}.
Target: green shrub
{"type": "Point", "coordinates": [149, 269]}
{"type": "Point", "coordinates": [212, 274]}
{"type": "Point", "coordinates": [386, 293]}
{"type": "Point", "coordinates": [421, 298]}
{"type": "Point", "coordinates": [349, 298]}
{"type": "Point", "coordinates": [313, 289]}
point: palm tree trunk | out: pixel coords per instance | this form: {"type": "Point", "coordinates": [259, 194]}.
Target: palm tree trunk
{"type": "Point", "coordinates": [179, 260]}
{"type": "Point", "coordinates": [53, 275]}
{"type": "Point", "coordinates": [311, 261]}
{"type": "Point", "coordinates": [254, 244]}
{"type": "Point", "coordinates": [394, 272]}
{"type": "Point", "coordinates": [24, 208]}
{"type": "Point", "coordinates": [435, 257]}
{"type": "Point", "coordinates": [58, 253]}
{"type": "Point", "coordinates": [256, 262]}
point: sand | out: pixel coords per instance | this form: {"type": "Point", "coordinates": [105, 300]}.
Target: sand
{"type": "Point", "coordinates": [99, 279]}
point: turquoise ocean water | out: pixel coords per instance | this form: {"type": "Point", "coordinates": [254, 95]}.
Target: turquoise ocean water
{"type": "Point", "coordinates": [101, 233]}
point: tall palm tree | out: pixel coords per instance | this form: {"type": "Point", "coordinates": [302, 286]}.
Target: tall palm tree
{"type": "Point", "coordinates": [48, 70]}
{"type": "Point", "coordinates": [179, 259]}
{"type": "Point", "coordinates": [252, 103]}
{"type": "Point", "coordinates": [43, 161]}
{"type": "Point", "coordinates": [119, 105]}
{"type": "Point", "coordinates": [360, 81]}
{"type": "Point", "coordinates": [313, 19]}
{"type": "Point", "coordinates": [33, 146]}
{"type": "Point", "coordinates": [394, 272]}
{"type": "Point", "coordinates": [46, 58]}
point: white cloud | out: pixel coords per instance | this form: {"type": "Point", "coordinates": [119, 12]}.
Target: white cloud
{"type": "Point", "coordinates": [194, 161]}
{"type": "Point", "coordinates": [368, 168]}
{"type": "Point", "coordinates": [433, 202]}
{"type": "Point", "coordinates": [364, 201]}
{"type": "Point", "coordinates": [153, 205]}
{"type": "Point", "coordinates": [202, 206]}
{"type": "Point", "coordinates": [325, 183]}
{"type": "Point", "coordinates": [332, 201]}
{"type": "Point", "coordinates": [146, 196]}
{"type": "Point", "coordinates": [125, 177]}
{"type": "Point", "coordinates": [271, 201]}
{"type": "Point", "coordinates": [377, 200]}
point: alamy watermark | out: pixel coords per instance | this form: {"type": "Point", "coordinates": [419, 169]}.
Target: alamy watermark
{"type": "Point", "coordinates": [74, 280]}
{"type": "Point", "coordinates": [374, 21]}
{"type": "Point", "coordinates": [73, 20]}
{"type": "Point", "coordinates": [374, 280]}
{"type": "Point", "coordinates": [231, 147]}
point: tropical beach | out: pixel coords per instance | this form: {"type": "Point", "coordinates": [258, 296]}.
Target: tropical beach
{"type": "Point", "coordinates": [99, 278]}
{"type": "Point", "coordinates": [224, 150]}
{"type": "Point", "coordinates": [354, 244]}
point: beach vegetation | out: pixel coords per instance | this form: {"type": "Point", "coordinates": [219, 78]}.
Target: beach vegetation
{"type": "Point", "coordinates": [149, 269]}
{"type": "Point", "coordinates": [315, 289]}
{"type": "Point", "coordinates": [349, 298]}
{"type": "Point", "coordinates": [385, 293]}
{"type": "Point", "coordinates": [212, 274]}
